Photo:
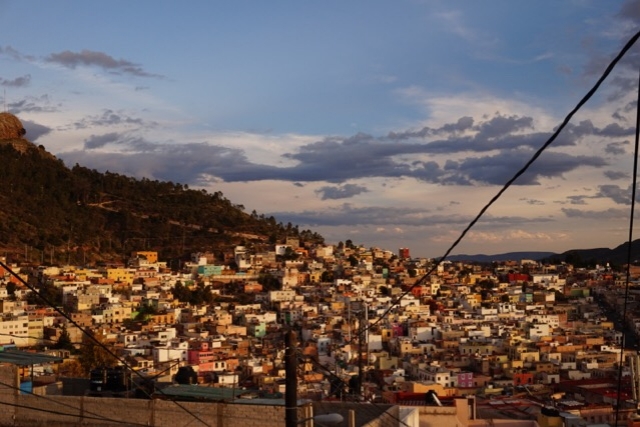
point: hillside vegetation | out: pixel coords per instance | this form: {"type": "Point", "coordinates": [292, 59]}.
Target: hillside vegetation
{"type": "Point", "coordinates": [52, 213]}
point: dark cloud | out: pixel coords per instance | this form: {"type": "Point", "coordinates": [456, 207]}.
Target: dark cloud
{"type": "Point", "coordinates": [17, 82]}
{"type": "Point", "coordinates": [625, 80]}
{"type": "Point", "coordinates": [126, 143]}
{"type": "Point", "coordinates": [507, 140]}
{"type": "Point", "coordinates": [631, 105]}
{"type": "Point", "coordinates": [532, 201]}
{"type": "Point", "coordinates": [187, 163]}
{"type": "Point", "coordinates": [32, 104]}
{"type": "Point", "coordinates": [622, 85]}
{"type": "Point", "coordinates": [500, 168]}
{"type": "Point", "coordinates": [35, 130]}
{"type": "Point", "coordinates": [501, 132]}
{"type": "Point", "coordinates": [112, 118]}
{"type": "Point", "coordinates": [577, 200]}
{"type": "Point", "coordinates": [614, 175]}
{"type": "Point", "coordinates": [615, 193]}
{"type": "Point", "coordinates": [14, 54]}
{"type": "Point", "coordinates": [476, 144]}
{"type": "Point", "coordinates": [98, 141]}
{"type": "Point", "coordinates": [586, 128]}
{"type": "Point", "coordinates": [341, 192]}
{"type": "Point", "coordinates": [630, 11]}
{"type": "Point", "coordinates": [463, 124]}
{"type": "Point", "coordinates": [616, 148]}
{"type": "Point", "coordinates": [489, 130]}
{"type": "Point", "coordinates": [98, 59]}
{"type": "Point", "coordinates": [615, 130]}
{"type": "Point", "coordinates": [598, 215]}
{"type": "Point", "coordinates": [349, 215]}
{"type": "Point", "coordinates": [499, 126]}
{"type": "Point", "coordinates": [364, 156]}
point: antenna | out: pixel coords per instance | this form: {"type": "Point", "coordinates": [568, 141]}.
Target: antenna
{"type": "Point", "coordinates": [4, 98]}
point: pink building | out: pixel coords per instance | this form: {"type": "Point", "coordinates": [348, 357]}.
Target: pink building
{"type": "Point", "coordinates": [465, 379]}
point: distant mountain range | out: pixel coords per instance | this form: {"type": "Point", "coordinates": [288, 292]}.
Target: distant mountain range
{"type": "Point", "coordinates": [578, 257]}
{"type": "Point", "coordinates": [509, 256]}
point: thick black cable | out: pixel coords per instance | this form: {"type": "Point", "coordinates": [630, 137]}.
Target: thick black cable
{"type": "Point", "coordinates": [92, 337]}
{"type": "Point", "coordinates": [519, 173]}
{"type": "Point", "coordinates": [634, 184]}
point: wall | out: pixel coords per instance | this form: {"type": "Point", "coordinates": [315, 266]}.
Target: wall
{"type": "Point", "coordinates": [53, 411]}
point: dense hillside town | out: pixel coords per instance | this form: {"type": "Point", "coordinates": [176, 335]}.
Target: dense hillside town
{"type": "Point", "coordinates": [371, 326]}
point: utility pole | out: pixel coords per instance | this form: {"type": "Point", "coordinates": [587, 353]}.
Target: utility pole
{"type": "Point", "coordinates": [359, 382]}
{"type": "Point", "coordinates": [362, 333]}
{"type": "Point", "coordinates": [291, 380]}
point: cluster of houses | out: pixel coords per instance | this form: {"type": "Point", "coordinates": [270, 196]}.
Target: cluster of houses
{"type": "Point", "coordinates": [369, 323]}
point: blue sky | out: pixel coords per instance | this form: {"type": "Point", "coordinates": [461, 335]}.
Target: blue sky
{"type": "Point", "coordinates": [387, 123]}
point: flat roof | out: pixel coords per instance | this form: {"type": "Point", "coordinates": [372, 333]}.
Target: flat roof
{"type": "Point", "coordinates": [203, 392]}
{"type": "Point", "coordinates": [197, 392]}
{"type": "Point", "coordinates": [25, 358]}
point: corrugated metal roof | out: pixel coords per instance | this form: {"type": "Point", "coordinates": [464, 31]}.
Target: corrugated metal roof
{"type": "Point", "coordinates": [25, 358]}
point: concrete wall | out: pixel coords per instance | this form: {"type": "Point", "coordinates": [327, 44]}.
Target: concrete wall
{"type": "Point", "coordinates": [58, 411]}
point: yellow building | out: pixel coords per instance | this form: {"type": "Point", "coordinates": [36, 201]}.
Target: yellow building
{"type": "Point", "coordinates": [151, 256]}
{"type": "Point", "coordinates": [121, 275]}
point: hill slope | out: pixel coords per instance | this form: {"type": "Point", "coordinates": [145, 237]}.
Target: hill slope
{"type": "Point", "coordinates": [52, 213]}
{"type": "Point", "coordinates": [590, 257]}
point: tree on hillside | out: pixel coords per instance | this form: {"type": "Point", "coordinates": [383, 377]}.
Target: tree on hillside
{"type": "Point", "coordinates": [145, 311]}
{"type": "Point", "coordinates": [269, 282]}
{"type": "Point", "coordinates": [94, 354]}
{"type": "Point", "coordinates": [290, 254]}
{"type": "Point", "coordinates": [327, 276]}
{"type": "Point", "coordinates": [71, 369]}
{"type": "Point", "coordinates": [64, 341]}
{"type": "Point", "coordinates": [353, 261]}
{"type": "Point", "coordinates": [11, 290]}
{"type": "Point", "coordinates": [180, 292]}
{"type": "Point", "coordinates": [47, 292]}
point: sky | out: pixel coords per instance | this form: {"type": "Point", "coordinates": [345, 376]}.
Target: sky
{"type": "Point", "coordinates": [389, 123]}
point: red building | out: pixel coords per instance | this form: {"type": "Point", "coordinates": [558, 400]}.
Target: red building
{"type": "Point", "coordinates": [522, 378]}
